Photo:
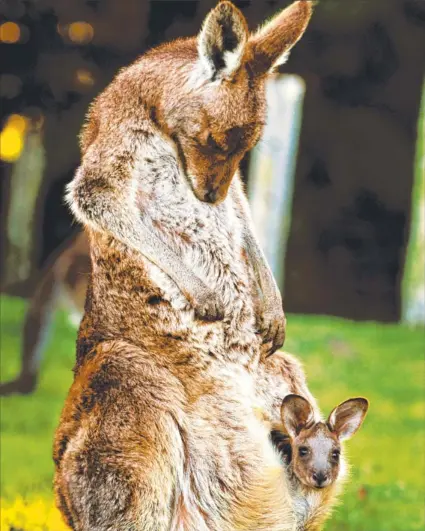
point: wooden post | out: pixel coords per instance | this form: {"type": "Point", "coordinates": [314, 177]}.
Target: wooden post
{"type": "Point", "coordinates": [26, 179]}
{"type": "Point", "coordinates": [272, 169]}
{"type": "Point", "coordinates": [413, 284]}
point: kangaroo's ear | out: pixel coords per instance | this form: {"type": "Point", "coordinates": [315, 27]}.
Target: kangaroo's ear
{"type": "Point", "coordinates": [272, 43]}
{"type": "Point", "coordinates": [347, 418]}
{"type": "Point", "coordinates": [222, 40]}
{"type": "Point", "coordinates": [296, 413]}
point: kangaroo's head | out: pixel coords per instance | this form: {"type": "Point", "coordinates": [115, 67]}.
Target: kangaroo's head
{"type": "Point", "coordinates": [314, 448]}
{"type": "Point", "coordinates": [212, 90]}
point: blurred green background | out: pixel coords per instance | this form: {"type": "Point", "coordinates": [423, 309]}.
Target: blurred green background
{"type": "Point", "coordinates": [342, 359]}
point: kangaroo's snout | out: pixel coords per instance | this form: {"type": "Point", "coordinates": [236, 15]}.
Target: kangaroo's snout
{"type": "Point", "coordinates": [319, 478]}
{"type": "Point", "coordinates": [211, 196]}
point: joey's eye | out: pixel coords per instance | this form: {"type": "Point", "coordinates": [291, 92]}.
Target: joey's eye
{"type": "Point", "coordinates": [303, 451]}
{"type": "Point", "coordinates": [336, 454]}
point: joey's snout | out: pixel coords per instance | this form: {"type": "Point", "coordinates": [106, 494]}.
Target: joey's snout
{"type": "Point", "coordinates": [320, 479]}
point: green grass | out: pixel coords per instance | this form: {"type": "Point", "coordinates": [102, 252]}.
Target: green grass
{"type": "Point", "coordinates": [342, 359]}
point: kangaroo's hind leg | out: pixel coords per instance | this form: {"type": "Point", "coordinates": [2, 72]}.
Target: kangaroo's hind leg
{"type": "Point", "coordinates": [118, 451]}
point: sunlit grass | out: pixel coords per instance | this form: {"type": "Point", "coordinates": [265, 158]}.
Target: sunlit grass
{"type": "Point", "coordinates": [342, 359]}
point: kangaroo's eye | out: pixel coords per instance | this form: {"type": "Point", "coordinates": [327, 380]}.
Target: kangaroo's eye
{"type": "Point", "coordinates": [213, 144]}
{"type": "Point", "coordinates": [336, 454]}
{"type": "Point", "coordinates": [303, 451]}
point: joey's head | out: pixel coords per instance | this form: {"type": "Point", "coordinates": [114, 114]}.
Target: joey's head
{"type": "Point", "coordinates": [212, 102]}
{"type": "Point", "coordinates": [314, 448]}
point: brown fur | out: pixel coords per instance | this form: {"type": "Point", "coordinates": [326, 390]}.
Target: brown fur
{"type": "Point", "coordinates": [278, 376]}
{"type": "Point", "coordinates": [158, 431]}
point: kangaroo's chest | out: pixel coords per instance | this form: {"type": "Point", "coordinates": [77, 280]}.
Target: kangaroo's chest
{"type": "Point", "coordinates": [207, 237]}
{"type": "Point", "coordinates": [193, 226]}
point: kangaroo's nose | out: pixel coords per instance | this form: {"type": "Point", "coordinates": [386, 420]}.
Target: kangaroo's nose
{"type": "Point", "coordinates": [319, 478]}
{"type": "Point", "coordinates": [211, 196]}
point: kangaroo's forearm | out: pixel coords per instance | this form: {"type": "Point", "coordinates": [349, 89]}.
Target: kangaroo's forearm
{"type": "Point", "coordinates": [258, 260]}
{"type": "Point", "coordinates": [111, 210]}
{"type": "Point", "coordinates": [270, 316]}
{"type": "Point", "coordinates": [255, 254]}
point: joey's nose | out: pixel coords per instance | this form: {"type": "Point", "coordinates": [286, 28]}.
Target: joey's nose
{"type": "Point", "coordinates": [319, 478]}
{"type": "Point", "coordinates": [211, 196]}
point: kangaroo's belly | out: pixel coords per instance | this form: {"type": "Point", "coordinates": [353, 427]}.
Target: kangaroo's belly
{"type": "Point", "coordinates": [233, 478]}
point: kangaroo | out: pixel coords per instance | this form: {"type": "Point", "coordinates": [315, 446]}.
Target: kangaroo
{"type": "Point", "coordinates": [310, 448]}
{"type": "Point", "coordinates": [158, 430]}
{"type": "Point", "coordinates": [312, 452]}
{"type": "Point", "coordinates": [62, 282]}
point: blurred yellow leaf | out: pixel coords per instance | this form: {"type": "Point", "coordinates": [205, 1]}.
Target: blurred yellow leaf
{"type": "Point", "coordinates": [80, 32]}
{"type": "Point", "coordinates": [12, 138]}
{"type": "Point", "coordinates": [10, 32]}
{"type": "Point", "coordinates": [35, 515]}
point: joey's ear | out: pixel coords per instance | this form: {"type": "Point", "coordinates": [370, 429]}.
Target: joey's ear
{"type": "Point", "coordinates": [296, 413]}
{"type": "Point", "coordinates": [222, 40]}
{"type": "Point", "coordinates": [347, 418]}
{"type": "Point", "coordinates": [272, 43]}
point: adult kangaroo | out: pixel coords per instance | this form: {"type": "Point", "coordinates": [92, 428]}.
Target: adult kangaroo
{"type": "Point", "coordinates": [159, 431]}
